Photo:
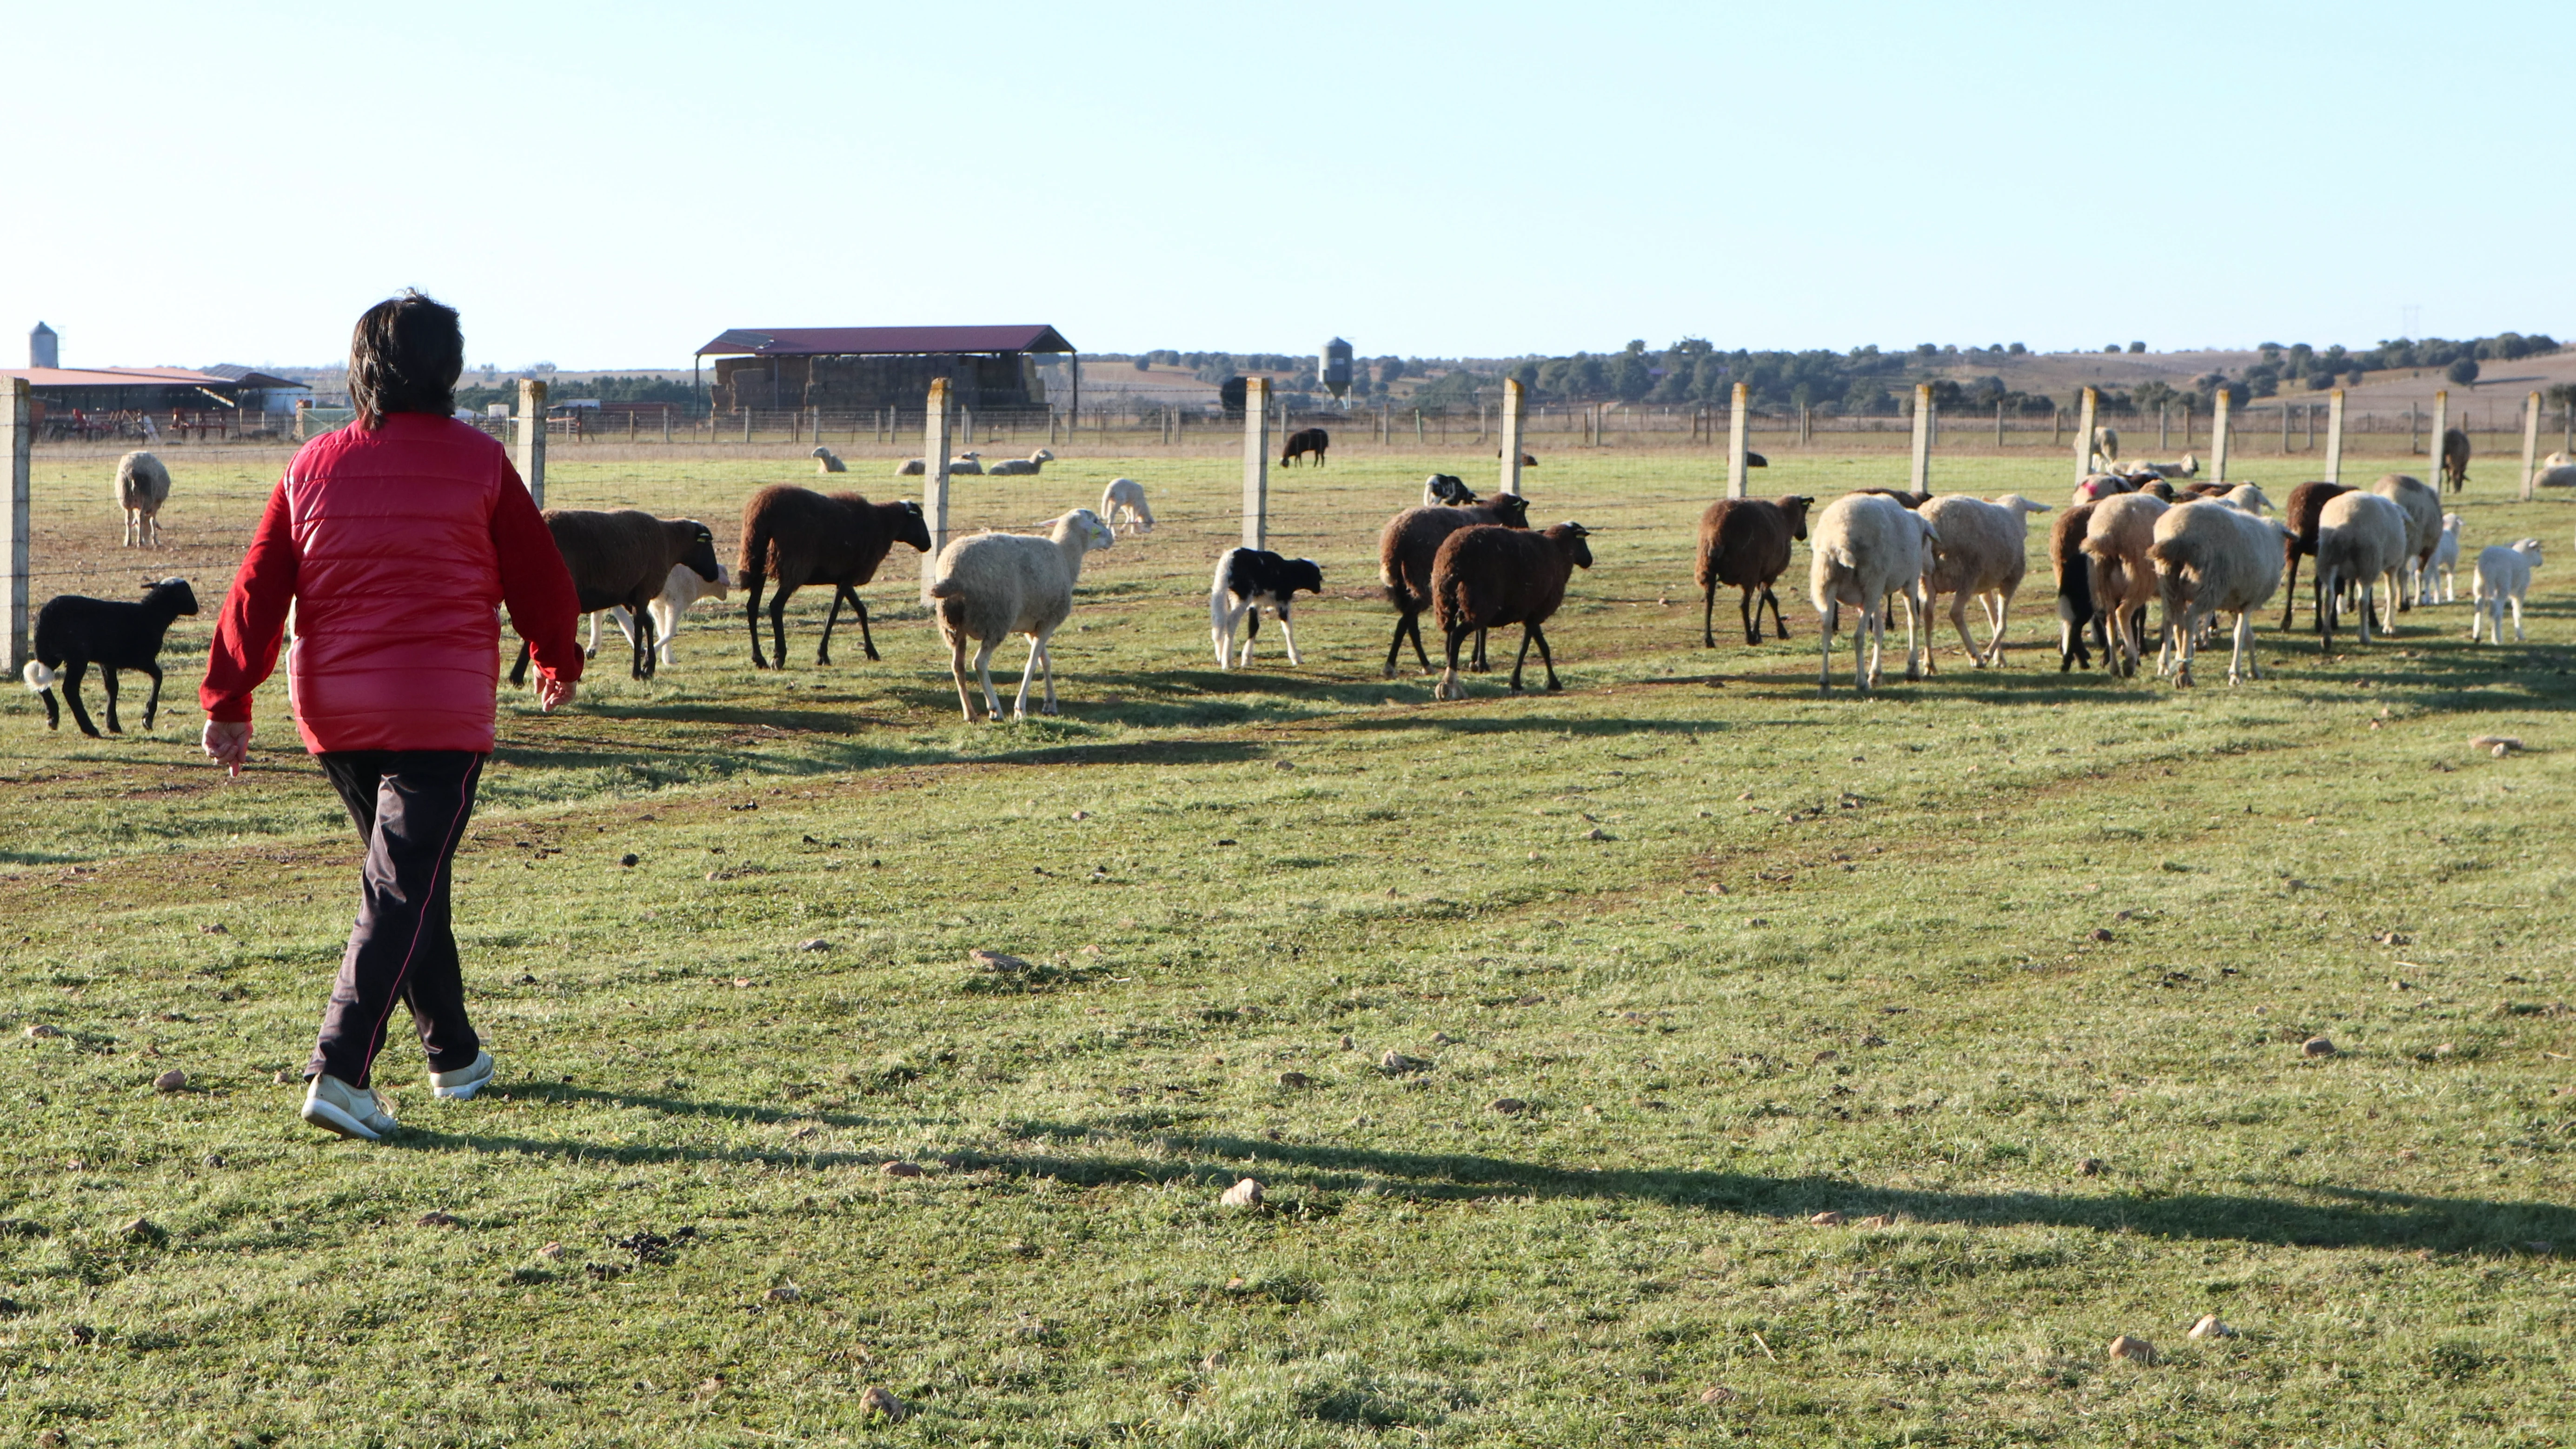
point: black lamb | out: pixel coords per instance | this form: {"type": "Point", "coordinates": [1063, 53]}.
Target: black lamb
{"type": "Point", "coordinates": [73, 633]}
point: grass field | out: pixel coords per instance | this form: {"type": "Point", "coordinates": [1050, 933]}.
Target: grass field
{"type": "Point", "coordinates": [2009, 967]}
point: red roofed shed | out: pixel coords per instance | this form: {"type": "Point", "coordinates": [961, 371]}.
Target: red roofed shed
{"type": "Point", "coordinates": [855, 368]}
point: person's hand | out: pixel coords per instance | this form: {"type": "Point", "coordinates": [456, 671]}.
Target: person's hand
{"type": "Point", "coordinates": [228, 741]}
{"type": "Point", "coordinates": [552, 692]}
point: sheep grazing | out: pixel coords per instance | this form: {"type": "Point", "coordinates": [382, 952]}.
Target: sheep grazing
{"type": "Point", "coordinates": [2123, 576]}
{"type": "Point", "coordinates": [1305, 441]}
{"type": "Point", "coordinates": [2075, 612]}
{"type": "Point", "coordinates": [2106, 441]}
{"type": "Point", "coordinates": [1983, 553]}
{"type": "Point", "coordinates": [1406, 549]}
{"type": "Point", "coordinates": [678, 596]}
{"type": "Point", "coordinates": [625, 558]}
{"type": "Point", "coordinates": [2437, 582]}
{"type": "Point", "coordinates": [794, 536]}
{"type": "Point", "coordinates": [964, 464]}
{"type": "Point", "coordinates": [1446, 490]}
{"type": "Point", "coordinates": [2307, 504]}
{"type": "Point", "coordinates": [1491, 575]}
{"type": "Point", "coordinates": [1122, 503]}
{"type": "Point", "coordinates": [2187, 466]}
{"type": "Point", "coordinates": [1864, 547]}
{"type": "Point", "coordinates": [2361, 541]}
{"type": "Point", "coordinates": [2503, 577]}
{"type": "Point", "coordinates": [2094, 487]}
{"type": "Point", "coordinates": [2455, 459]}
{"type": "Point", "coordinates": [73, 633]}
{"type": "Point", "coordinates": [827, 461]}
{"type": "Point", "coordinates": [2423, 509]}
{"type": "Point", "coordinates": [1531, 461]}
{"type": "Point", "coordinates": [1248, 580]}
{"type": "Point", "coordinates": [2211, 558]}
{"type": "Point", "coordinates": [1744, 544]}
{"type": "Point", "coordinates": [994, 585]}
{"type": "Point", "coordinates": [1020, 467]}
{"type": "Point", "coordinates": [142, 486]}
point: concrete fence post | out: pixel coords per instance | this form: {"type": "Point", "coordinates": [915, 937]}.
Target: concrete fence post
{"type": "Point", "coordinates": [1739, 412]}
{"type": "Point", "coordinates": [532, 438]}
{"type": "Point", "coordinates": [1999, 425]}
{"type": "Point", "coordinates": [17, 439]}
{"type": "Point", "coordinates": [2530, 441]}
{"type": "Point", "coordinates": [2084, 434]}
{"type": "Point", "coordinates": [2334, 436]}
{"type": "Point", "coordinates": [934, 470]}
{"type": "Point", "coordinates": [2164, 426]}
{"type": "Point", "coordinates": [1918, 478]}
{"type": "Point", "coordinates": [1510, 428]}
{"type": "Point", "coordinates": [1256, 462]}
{"type": "Point", "coordinates": [2441, 425]}
{"type": "Point", "coordinates": [2218, 437]}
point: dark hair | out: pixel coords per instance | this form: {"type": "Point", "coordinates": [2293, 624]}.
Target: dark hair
{"type": "Point", "coordinates": [405, 357]}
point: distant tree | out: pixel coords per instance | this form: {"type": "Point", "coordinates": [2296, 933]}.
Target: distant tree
{"type": "Point", "coordinates": [2463, 372]}
{"type": "Point", "coordinates": [1389, 369]}
{"type": "Point", "coordinates": [2017, 350]}
{"type": "Point", "coordinates": [2137, 347]}
{"type": "Point", "coordinates": [2113, 347]}
{"type": "Point", "coordinates": [1143, 362]}
{"type": "Point", "coordinates": [1636, 347]}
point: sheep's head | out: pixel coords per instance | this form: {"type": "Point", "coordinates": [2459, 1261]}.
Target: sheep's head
{"type": "Point", "coordinates": [1796, 506]}
{"type": "Point", "coordinates": [820, 453]}
{"type": "Point", "coordinates": [910, 527]}
{"type": "Point", "coordinates": [1083, 526]}
{"type": "Point", "coordinates": [1303, 574]}
{"type": "Point", "coordinates": [2529, 548]}
{"type": "Point", "coordinates": [700, 556]}
{"type": "Point", "coordinates": [2017, 502]}
{"type": "Point", "coordinates": [185, 598]}
{"type": "Point", "coordinates": [1042, 455]}
{"type": "Point", "coordinates": [1511, 509]}
{"type": "Point", "coordinates": [1570, 536]}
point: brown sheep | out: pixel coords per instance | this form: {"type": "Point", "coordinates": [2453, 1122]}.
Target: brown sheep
{"type": "Point", "coordinates": [2455, 459]}
{"type": "Point", "coordinates": [1744, 544]}
{"type": "Point", "coordinates": [2307, 504]}
{"type": "Point", "coordinates": [624, 560]}
{"type": "Point", "coordinates": [794, 536]}
{"type": "Point", "coordinates": [1304, 441]}
{"type": "Point", "coordinates": [1491, 575]}
{"type": "Point", "coordinates": [1405, 551]}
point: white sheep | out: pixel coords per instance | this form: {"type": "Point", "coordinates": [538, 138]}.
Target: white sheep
{"type": "Point", "coordinates": [994, 585]}
{"type": "Point", "coordinates": [142, 486]}
{"type": "Point", "coordinates": [2244, 498]}
{"type": "Point", "coordinates": [2123, 577]}
{"type": "Point", "coordinates": [2106, 441]}
{"type": "Point", "coordinates": [2437, 582]}
{"type": "Point", "coordinates": [2503, 576]}
{"type": "Point", "coordinates": [682, 591]}
{"type": "Point", "coordinates": [2555, 471]}
{"type": "Point", "coordinates": [1862, 548]}
{"type": "Point", "coordinates": [1020, 467]}
{"type": "Point", "coordinates": [964, 463]}
{"type": "Point", "coordinates": [1983, 553]}
{"type": "Point", "coordinates": [2187, 466]}
{"type": "Point", "coordinates": [2211, 558]}
{"type": "Point", "coordinates": [2423, 509]}
{"type": "Point", "coordinates": [827, 461]}
{"type": "Point", "coordinates": [2361, 543]}
{"type": "Point", "coordinates": [1123, 504]}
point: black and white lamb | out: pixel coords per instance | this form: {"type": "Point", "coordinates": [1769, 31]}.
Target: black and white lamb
{"type": "Point", "coordinates": [73, 633]}
{"type": "Point", "coordinates": [1247, 581]}
{"type": "Point", "coordinates": [1447, 490]}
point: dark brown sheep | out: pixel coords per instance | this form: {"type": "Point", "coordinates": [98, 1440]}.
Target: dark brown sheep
{"type": "Point", "coordinates": [2455, 459]}
{"type": "Point", "coordinates": [1304, 441]}
{"type": "Point", "coordinates": [794, 536]}
{"type": "Point", "coordinates": [1491, 575]}
{"type": "Point", "coordinates": [624, 560]}
{"type": "Point", "coordinates": [2307, 504]}
{"type": "Point", "coordinates": [1405, 551]}
{"type": "Point", "coordinates": [2076, 616]}
{"type": "Point", "coordinates": [1744, 544]}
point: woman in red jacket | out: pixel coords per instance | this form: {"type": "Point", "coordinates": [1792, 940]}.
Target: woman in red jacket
{"type": "Point", "coordinates": [395, 538]}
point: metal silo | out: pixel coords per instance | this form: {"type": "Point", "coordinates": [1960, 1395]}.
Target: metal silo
{"type": "Point", "coordinates": [1334, 367]}
{"type": "Point", "coordinates": [44, 349]}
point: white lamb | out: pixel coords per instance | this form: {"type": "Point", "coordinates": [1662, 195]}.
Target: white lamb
{"type": "Point", "coordinates": [683, 590]}
{"type": "Point", "coordinates": [2122, 577]}
{"type": "Point", "coordinates": [2503, 576]}
{"type": "Point", "coordinates": [827, 461]}
{"type": "Point", "coordinates": [2211, 559]}
{"type": "Point", "coordinates": [964, 463]}
{"type": "Point", "coordinates": [1983, 553]}
{"type": "Point", "coordinates": [2437, 582]}
{"type": "Point", "coordinates": [1020, 467]}
{"type": "Point", "coordinates": [2245, 498]}
{"type": "Point", "coordinates": [142, 486]}
{"type": "Point", "coordinates": [1864, 547]}
{"type": "Point", "coordinates": [994, 585]}
{"type": "Point", "coordinates": [2361, 544]}
{"type": "Point", "coordinates": [1123, 504]}
{"type": "Point", "coordinates": [2555, 471]}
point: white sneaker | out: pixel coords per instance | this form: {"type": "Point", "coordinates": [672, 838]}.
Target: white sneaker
{"type": "Point", "coordinates": [335, 1106]}
{"type": "Point", "coordinates": [465, 1081]}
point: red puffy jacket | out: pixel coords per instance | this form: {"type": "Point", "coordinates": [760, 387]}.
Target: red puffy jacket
{"type": "Point", "coordinates": [395, 544]}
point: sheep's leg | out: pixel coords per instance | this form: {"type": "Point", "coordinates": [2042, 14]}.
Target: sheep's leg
{"type": "Point", "coordinates": [2290, 586]}
{"type": "Point", "coordinates": [823, 654]}
{"type": "Point", "coordinates": [2244, 654]}
{"type": "Point", "coordinates": [1825, 618]}
{"type": "Point", "coordinates": [644, 640]}
{"type": "Point", "coordinates": [1042, 650]}
{"type": "Point", "coordinates": [1479, 664]}
{"type": "Point", "coordinates": [1959, 621]}
{"type": "Point", "coordinates": [1918, 607]}
{"type": "Point", "coordinates": [1394, 646]}
{"type": "Point", "coordinates": [984, 673]}
{"type": "Point", "coordinates": [2514, 599]}
{"type": "Point", "coordinates": [1520, 659]}
{"type": "Point", "coordinates": [1999, 607]}
{"type": "Point", "coordinates": [1869, 641]}
{"type": "Point", "coordinates": [1449, 687]}
{"type": "Point", "coordinates": [666, 622]}
{"type": "Point", "coordinates": [751, 617]}
{"type": "Point", "coordinates": [1777, 622]}
{"type": "Point", "coordinates": [1545, 659]}
{"type": "Point", "coordinates": [1708, 616]}
{"type": "Point", "coordinates": [74, 670]}
{"type": "Point", "coordinates": [107, 681]}
{"type": "Point", "coordinates": [778, 626]}
{"type": "Point", "coordinates": [1221, 635]}
{"type": "Point", "coordinates": [859, 612]}
{"type": "Point", "coordinates": [1251, 633]}
{"type": "Point", "coordinates": [957, 672]}
{"type": "Point", "coordinates": [1289, 635]}
{"type": "Point", "coordinates": [152, 701]}
{"type": "Point", "coordinates": [1750, 608]}
{"type": "Point", "coordinates": [1028, 672]}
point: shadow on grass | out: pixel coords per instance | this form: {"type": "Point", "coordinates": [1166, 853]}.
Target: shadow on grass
{"type": "Point", "coordinates": [2315, 1215]}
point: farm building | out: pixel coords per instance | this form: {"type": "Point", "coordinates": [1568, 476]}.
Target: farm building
{"type": "Point", "coordinates": [856, 369]}
{"type": "Point", "coordinates": [115, 401]}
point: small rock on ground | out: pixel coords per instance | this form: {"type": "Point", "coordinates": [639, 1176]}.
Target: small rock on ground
{"type": "Point", "coordinates": [2136, 1350]}
{"type": "Point", "coordinates": [997, 961]}
{"type": "Point", "coordinates": [880, 1400]}
{"type": "Point", "coordinates": [1508, 1105]}
{"type": "Point", "coordinates": [817, 944]}
{"type": "Point", "coordinates": [1294, 1080]}
{"type": "Point", "coordinates": [437, 1219]}
{"type": "Point", "coordinates": [901, 1169]}
{"type": "Point", "coordinates": [44, 1031]}
{"type": "Point", "coordinates": [2317, 1046]}
{"type": "Point", "coordinates": [1244, 1194]}
{"type": "Point", "coordinates": [1826, 1219]}
{"type": "Point", "coordinates": [783, 1293]}
{"type": "Point", "coordinates": [2210, 1327]}
{"type": "Point", "coordinates": [173, 1080]}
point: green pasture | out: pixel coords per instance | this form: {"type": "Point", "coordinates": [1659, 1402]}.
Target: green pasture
{"type": "Point", "coordinates": [2011, 968]}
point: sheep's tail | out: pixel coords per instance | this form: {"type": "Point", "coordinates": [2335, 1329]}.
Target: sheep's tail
{"type": "Point", "coordinates": [947, 588]}
{"type": "Point", "coordinates": [39, 678]}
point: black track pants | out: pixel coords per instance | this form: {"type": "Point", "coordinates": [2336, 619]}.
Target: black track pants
{"type": "Point", "coordinates": [410, 807]}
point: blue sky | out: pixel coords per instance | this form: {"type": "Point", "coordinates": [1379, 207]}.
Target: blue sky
{"type": "Point", "coordinates": [605, 186]}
